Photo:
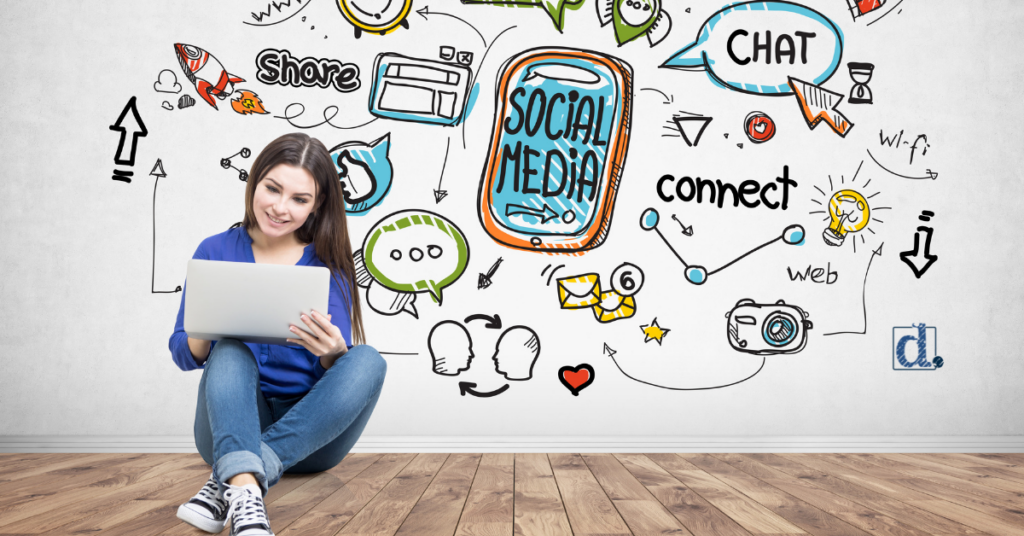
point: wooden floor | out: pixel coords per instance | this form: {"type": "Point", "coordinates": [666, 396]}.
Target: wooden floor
{"type": "Point", "coordinates": [539, 494]}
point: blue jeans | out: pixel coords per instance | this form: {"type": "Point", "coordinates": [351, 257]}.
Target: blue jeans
{"type": "Point", "coordinates": [239, 431]}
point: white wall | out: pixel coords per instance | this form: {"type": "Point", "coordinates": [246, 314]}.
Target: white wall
{"type": "Point", "coordinates": [83, 344]}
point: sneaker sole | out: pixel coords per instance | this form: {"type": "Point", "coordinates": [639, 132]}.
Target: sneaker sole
{"type": "Point", "coordinates": [200, 521]}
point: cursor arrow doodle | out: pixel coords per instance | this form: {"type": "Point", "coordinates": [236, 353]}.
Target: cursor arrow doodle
{"type": "Point", "coordinates": [546, 214]}
{"type": "Point", "coordinates": [920, 260]}
{"type": "Point", "coordinates": [819, 104]}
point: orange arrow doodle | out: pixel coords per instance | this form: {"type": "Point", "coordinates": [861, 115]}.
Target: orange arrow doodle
{"type": "Point", "coordinates": [819, 104]}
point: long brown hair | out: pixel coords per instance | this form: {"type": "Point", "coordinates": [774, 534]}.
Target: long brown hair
{"type": "Point", "coordinates": [326, 226]}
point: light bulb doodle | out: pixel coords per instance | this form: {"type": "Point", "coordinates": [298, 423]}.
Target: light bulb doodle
{"type": "Point", "coordinates": [698, 275]}
{"type": "Point", "coordinates": [850, 213]}
{"type": "Point", "coordinates": [847, 210]}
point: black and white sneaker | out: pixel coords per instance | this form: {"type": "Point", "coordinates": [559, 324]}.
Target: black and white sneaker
{"type": "Point", "coordinates": [208, 509]}
{"type": "Point", "coordinates": [246, 510]}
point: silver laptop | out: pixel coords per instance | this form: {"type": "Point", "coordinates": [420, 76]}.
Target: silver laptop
{"type": "Point", "coordinates": [252, 302]}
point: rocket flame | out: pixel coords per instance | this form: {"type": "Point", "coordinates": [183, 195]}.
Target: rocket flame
{"type": "Point", "coordinates": [247, 103]}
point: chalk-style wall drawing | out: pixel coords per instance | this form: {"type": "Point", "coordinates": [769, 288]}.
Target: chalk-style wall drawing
{"type": "Point", "coordinates": [206, 73]}
{"type": "Point", "coordinates": [781, 39]}
{"type": "Point", "coordinates": [555, 8]}
{"type": "Point", "coordinates": [697, 274]}
{"type": "Point", "coordinates": [406, 253]}
{"type": "Point", "coordinates": [128, 124]}
{"type": "Point", "coordinates": [562, 115]}
{"type": "Point", "coordinates": [767, 329]}
{"type": "Point", "coordinates": [420, 90]}
{"type": "Point", "coordinates": [633, 18]}
{"type": "Point", "coordinates": [379, 17]}
{"type": "Point", "coordinates": [365, 172]}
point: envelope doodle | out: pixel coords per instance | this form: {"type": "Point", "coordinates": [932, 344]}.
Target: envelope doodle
{"type": "Point", "coordinates": [584, 292]}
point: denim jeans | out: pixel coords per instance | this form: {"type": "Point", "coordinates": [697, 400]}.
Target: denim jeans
{"type": "Point", "coordinates": [239, 431]}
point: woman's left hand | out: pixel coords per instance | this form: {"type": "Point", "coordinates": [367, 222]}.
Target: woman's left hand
{"type": "Point", "coordinates": [326, 340]}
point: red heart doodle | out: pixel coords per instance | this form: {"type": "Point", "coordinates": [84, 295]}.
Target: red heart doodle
{"type": "Point", "coordinates": [577, 378]}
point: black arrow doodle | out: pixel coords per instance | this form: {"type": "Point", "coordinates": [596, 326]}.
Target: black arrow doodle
{"type": "Point", "coordinates": [158, 172]}
{"type": "Point", "coordinates": [863, 296]}
{"type": "Point", "coordinates": [686, 388]}
{"type": "Point", "coordinates": [426, 11]}
{"type": "Point", "coordinates": [485, 280]}
{"type": "Point", "coordinates": [467, 387]}
{"type": "Point", "coordinates": [932, 175]}
{"type": "Point", "coordinates": [608, 350]}
{"type": "Point", "coordinates": [545, 214]}
{"type": "Point", "coordinates": [440, 194]}
{"type": "Point", "coordinates": [668, 99]}
{"type": "Point", "coordinates": [493, 322]}
{"type": "Point", "coordinates": [917, 259]}
{"type": "Point", "coordinates": [137, 129]}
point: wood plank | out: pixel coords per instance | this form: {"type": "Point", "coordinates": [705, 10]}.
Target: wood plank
{"type": "Point", "coordinates": [67, 478]}
{"type": "Point", "coordinates": [42, 459]}
{"type": "Point", "coordinates": [31, 469]}
{"type": "Point", "coordinates": [800, 513]}
{"type": "Point", "coordinates": [696, 514]}
{"type": "Point", "coordinates": [944, 508]}
{"type": "Point", "coordinates": [642, 513]}
{"type": "Point", "coordinates": [386, 511]}
{"type": "Point", "coordinates": [341, 506]}
{"type": "Point", "coordinates": [38, 516]}
{"type": "Point", "coordinates": [748, 513]}
{"type": "Point", "coordinates": [538, 505]}
{"type": "Point", "coordinates": [588, 508]}
{"type": "Point", "coordinates": [927, 461]}
{"type": "Point", "coordinates": [853, 513]}
{"type": "Point", "coordinates": [488, 509]}
{"type": "Point", "coordinates": [438, 510]}
{"type": "Point", "coordinates": [826, 476]}
{"type": "Point", "coordinates": [284, 509]}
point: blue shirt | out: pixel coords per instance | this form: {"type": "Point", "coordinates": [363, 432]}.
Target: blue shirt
{"type": "Point", "coordinates": [284, 370]}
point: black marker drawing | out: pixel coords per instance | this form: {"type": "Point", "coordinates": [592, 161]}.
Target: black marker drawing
{"type": "Point", "coordinates": [863, 296]}
{"type": "Point", "coordinates": [485, 280]}
{"type": "Point", "coordinates": [690, 126]}
{"type": "Point", "coordinates": [861, 73]}
{"type": "Point", "coordinates": [654, 332]}
{"type": "Point", "coordinates": [467, 388]}
{"type": "Point", "coordinates": [767, 329]}
{"type": "Point", "coordinates": [374, 16]}
{"type": "Point", "coordinates": [419, 90]}
{"type": "Point", "coordinates": [127, 125]}
{"type": "Point", "coordinates": [451, 348]}
{"type": "Point", "coordinates": [669, 99]}
{"type": "Point", "coordinates": [633, 18]}
{"type": "Point", "coordinates": [200, 67]}
{"type": "Point", "coordinates": [279, 15]}
{"type": "Point", "coordinates": [848, 211]}
{"type": "Point", "coordinates": [612, 355]}
{"type": "Point", "coordinates": [688, 231]}
{"type": "Point", "coordinates": [577, 378]}
{"type": "Point", "coordinates": [166, 106]}
{"type": "Point", "coordinates": [698, 275]}
{"type": "Point", "coordinates": [552, 274]}
{"type": "Point", "coordinates": [166, 82]}
{"type": "Point", "coordinates": [225, 163]}
{"type": "Point", "coordinates": [516, 352]}
{"type": "Point", "coordinates": [158, 172]}
{"type": "Point", "coordinates": [819, 104]}
{"type": "Point", "coordinates": [440, 194]}
{"type": "Point", "coordinates": [895, 141]}
{"type": "Point", "coordinates": [281, 68]}
{"type": "Point", "coordinates": [920, 259]}
{"type": "Point", "coordinates": [608, 350]}
{"type": "Point", "coordinates": [329, 113]}
{"type": "Point", "coordinates": [492, 322]}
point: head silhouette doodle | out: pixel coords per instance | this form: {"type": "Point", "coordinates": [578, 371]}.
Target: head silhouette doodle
{"type": "Point", "coordinates": [451, 348]}
{"type": "Point", "coordinates": [516, 352]}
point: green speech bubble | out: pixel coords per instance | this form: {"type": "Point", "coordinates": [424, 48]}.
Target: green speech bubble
{"type": "Point", "coordinates": [416, 251]}
{"type": "Point", "coordinates": [555, 8]}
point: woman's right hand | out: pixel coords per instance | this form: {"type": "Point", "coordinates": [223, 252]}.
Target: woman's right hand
{"type": "Point", "coordinates": [200, 349]}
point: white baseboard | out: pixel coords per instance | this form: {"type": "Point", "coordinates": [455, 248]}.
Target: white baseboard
{"type": "Point", "coordinates": [554, 444]}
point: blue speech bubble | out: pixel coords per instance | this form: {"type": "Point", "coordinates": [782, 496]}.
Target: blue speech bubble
{"type": "Point", "coordinates": [754, 47]}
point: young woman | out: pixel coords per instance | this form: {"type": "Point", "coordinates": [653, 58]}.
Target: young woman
{"type": "Point", "coordinates": [267, 409]}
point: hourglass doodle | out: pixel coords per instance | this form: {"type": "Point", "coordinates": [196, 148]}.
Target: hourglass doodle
{"type": "Point", "coordinates": [860, 93]}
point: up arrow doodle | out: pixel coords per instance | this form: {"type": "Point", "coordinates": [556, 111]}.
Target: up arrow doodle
{"type": "Point", "coordinates": [917, 259]}
{"type": "Point", "coordinates": [863, 296]}
{"type": "Point", "coordinates": [127, 125]}
{"type": "Point", "coordinates": [158, 172]}
{"type": "Point", "coordinates": [546, 214]}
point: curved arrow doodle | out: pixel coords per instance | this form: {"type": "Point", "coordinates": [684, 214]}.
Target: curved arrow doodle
{"type": "Point", "coordinates": [685, 388]}
{"type": "Point", "coordinates": [467, 387]}
{"type": "Point", "coordinates": [493, 322]}
{"type": "Point", "coordinates": [863, 296]}
{"type": "Point", "coordinates": [931, 174]}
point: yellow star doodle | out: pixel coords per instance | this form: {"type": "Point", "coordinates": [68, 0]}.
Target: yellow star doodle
{"type": "Point", "coordinates": [654, 332]}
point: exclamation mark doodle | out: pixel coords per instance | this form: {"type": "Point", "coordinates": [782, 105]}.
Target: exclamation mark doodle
{"type": "Point", "coordinates": [127, 125]}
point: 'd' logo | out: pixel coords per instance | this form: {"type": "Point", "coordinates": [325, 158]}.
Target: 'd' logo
{"type": "Point", "coordinates": [915, 348]}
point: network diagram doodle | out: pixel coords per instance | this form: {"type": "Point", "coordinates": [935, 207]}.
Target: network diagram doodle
{"type": "Point", "coordinates": [407, 253]}
{"type": "Point", "coordinates": [365, 172]}
{"type": "Point", "coordinates": [243, 175]}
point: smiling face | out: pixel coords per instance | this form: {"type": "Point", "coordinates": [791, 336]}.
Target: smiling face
{"type": "Point", "coordinates": [286, 194]}
{"type": "Point", "coordinates": [637, 12]}
{"type": "Point", "coordinates": [375, 14]}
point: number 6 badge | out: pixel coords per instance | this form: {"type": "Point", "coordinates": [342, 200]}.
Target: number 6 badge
{"type": "Point", "coordinates": [557, 150]}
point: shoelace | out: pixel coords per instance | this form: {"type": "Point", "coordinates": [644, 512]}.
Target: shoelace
{"type": "Point", "coordinates": [248, 505]}
{"type": "Point", "coordinates": [208, 495]}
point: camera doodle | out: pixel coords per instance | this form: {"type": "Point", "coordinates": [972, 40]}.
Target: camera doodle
{"type": "Point", "coordinates": [762, 329]}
